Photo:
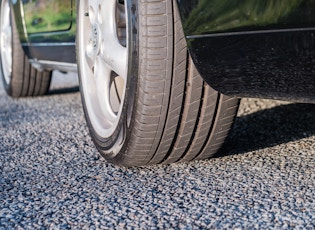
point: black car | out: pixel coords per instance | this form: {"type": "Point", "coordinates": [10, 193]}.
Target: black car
{"type": "Point", "coordinates": [161, 80]}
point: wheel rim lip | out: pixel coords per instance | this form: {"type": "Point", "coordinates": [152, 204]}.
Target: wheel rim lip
{"type": "Point", "coordinates": [6, 41]}
{"type": "Point", "coordinates": [100, 123]}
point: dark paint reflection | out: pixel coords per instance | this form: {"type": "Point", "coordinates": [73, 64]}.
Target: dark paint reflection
{"type": "Point", "coordinates": [268, 62]}
{"type": "Point", "coordinates": [212, 16]}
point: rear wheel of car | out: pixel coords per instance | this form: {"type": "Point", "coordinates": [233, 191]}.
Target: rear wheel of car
{"type": "Point", "coordinates": [19, 77]}
{"type": "Point", "coordinates": [144, 100]}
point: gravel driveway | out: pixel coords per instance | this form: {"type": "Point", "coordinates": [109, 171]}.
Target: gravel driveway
{"type": "Point", "coordinates": [51, 176]}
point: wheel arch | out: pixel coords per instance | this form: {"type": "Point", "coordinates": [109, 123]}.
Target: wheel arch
{"type": "Point", "coordinates": [259, 58]}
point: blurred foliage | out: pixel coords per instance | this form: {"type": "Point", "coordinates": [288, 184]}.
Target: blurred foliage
{"type": "Point", "coordinates": [47, 15]}
{"type": "Point", "coordinates": [228, 15]}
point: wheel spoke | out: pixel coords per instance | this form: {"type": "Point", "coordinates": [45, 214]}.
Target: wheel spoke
{"type": "Point", "coordinates": [114, 54]}
{"type": "Point", "coordinates": [90, 55]}
{"type": "Point", "coordinates": [102, 81]}
{"type": "Point", "coordinates": [93, 10]}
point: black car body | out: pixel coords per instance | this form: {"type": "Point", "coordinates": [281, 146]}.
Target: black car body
{"type": "Point", "coordinates": [47, 32]}
{"type": "Point", "coordinates": [250, 48]}
{"type": "Point", "coordinates": [253, 48]}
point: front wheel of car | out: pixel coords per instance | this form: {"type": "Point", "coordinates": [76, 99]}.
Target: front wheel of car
{"type": "Point", "coordinates": [20, 78]}
{"type": "Point", "coordinates": [144, 100]}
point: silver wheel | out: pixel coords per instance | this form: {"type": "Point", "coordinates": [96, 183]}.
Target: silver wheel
{"type": "Point", "coordinates": [103, 62]}
{"type": "Point", "coordinates": [6, 41]}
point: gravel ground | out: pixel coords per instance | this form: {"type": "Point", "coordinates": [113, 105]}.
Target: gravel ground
{"type": "Point", "coordinates": [51, 176]}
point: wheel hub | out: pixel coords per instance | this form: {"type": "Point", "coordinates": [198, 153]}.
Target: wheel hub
{"type": "Point", "coordinates": [95, 38]}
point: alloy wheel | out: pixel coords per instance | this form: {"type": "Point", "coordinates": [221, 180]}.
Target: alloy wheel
{"type": "Point", "coordinates": [103, 61]}
{"type": "Point", "coordinates": [6, 41]}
